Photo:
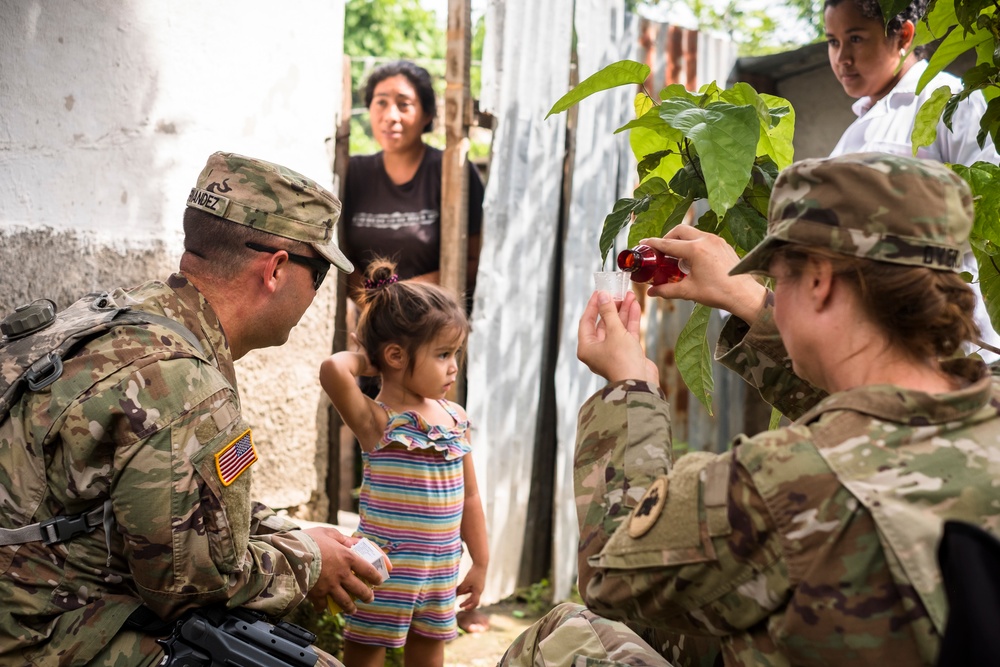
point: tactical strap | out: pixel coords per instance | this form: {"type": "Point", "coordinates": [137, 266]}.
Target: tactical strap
{"type": "Point", "coordinates": [60, 528]}
{"type": "Point", "coordinates": [34, 361]}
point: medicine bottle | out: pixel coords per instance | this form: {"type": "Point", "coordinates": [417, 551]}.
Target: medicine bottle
{"type": "Point", "coordinates": [651, 266]}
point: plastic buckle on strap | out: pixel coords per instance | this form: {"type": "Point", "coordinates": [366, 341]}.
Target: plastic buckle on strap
{"type": "Point", "coordinates": [62, 528]}
{"type": "Point", "coordinates": [44, 372]}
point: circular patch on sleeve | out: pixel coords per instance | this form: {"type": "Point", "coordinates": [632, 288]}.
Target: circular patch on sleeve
{"type": "Point", "coordinates": [649, 508]}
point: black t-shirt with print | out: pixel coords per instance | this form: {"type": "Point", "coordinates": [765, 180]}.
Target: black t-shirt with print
{"type": "Point", "coordinates": [400, 222]}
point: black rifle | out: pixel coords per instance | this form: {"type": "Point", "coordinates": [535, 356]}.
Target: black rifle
{"type": "Point", "coordinates": [236, 638]}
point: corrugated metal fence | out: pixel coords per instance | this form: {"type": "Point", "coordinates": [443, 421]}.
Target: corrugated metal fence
{"type": "Point", "coordinates": [544, 210]}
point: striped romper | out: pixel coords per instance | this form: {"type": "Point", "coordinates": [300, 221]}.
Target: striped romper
{"type": "Point", "coordinates": [412, 496]}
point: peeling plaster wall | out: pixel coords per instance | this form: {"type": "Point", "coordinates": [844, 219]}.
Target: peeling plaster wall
{"type": "Point", "coordinates": [109, 112]}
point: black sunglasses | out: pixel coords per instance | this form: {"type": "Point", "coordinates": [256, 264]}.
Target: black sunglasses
{"type": "Point", "coordinates": [319, 266]}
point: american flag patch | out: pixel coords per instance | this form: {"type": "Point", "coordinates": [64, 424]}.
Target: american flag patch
{"type": "Point", "coordinates": [235, 458]}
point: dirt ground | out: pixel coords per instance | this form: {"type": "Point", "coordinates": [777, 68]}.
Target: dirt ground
{"type": "Point", "coordinates": [483, 649]}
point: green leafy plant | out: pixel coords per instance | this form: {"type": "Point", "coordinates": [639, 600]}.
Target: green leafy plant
{"type": "Point", "coordinates": [963, 26]}
{"type": "Point", "coordinates": [717, 149]}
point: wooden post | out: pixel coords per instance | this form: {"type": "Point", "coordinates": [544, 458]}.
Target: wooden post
{"type": "Point", "coordinates": [454, 168]}
{"type": "Point", "coordinates": [454, 174]}
{"type": "Point", "coordinates": [340, 458]}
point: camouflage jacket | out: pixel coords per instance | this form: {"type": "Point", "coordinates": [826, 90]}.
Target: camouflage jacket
{"type": "Point", "coordinates": [141, 418]}
{"type": "Point", "coordinates": [808, 545]}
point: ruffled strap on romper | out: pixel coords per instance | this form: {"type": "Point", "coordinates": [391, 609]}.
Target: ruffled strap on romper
{"type": "Point", "coordinates": [411, 430]}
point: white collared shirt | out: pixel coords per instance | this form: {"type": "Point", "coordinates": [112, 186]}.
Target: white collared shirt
{"type": "Point", "coordinates": [886, 125]}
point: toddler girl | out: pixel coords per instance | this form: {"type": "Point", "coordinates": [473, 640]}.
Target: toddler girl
{"type": "Point", "coordinates": [419, 498]}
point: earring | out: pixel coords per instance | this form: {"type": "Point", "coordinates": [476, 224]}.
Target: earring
{"type": "Point", "coordinates": [902, 53]}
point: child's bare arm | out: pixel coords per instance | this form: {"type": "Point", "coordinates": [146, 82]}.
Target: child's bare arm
{"type": "Point", "coordinates": [338, 375]}
{"type": "Point", "coordinates": [474, 536]}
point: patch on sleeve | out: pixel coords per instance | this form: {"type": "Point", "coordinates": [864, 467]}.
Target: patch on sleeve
{"type": "Point", "coordinates": [649, 508]}
{"type": "Point", "coordinates": [235, 457]}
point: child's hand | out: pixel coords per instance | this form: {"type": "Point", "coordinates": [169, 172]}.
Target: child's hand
{"type": "Point", "coordinates": [472, 585]}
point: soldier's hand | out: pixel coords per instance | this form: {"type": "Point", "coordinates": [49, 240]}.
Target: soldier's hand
{"type": "Point", "coordinates": [608, 340]}
{"type": "Point", "coordinates": [710, 258]}
{"type": "Point", "coordinates": [344, 574]}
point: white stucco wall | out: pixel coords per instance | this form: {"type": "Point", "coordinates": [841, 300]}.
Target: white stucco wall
{"type": "Point", "coordinates": [109, 110]}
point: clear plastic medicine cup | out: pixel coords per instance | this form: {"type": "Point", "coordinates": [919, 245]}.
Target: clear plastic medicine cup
{"type": "Point", "coordinates": [615, 283]}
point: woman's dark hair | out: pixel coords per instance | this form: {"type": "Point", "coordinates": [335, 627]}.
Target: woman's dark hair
{"type": "Point", "coordinates": [928, 312]}
{"type": "Point", "coordinates": [871, 9]}
{"type": "Point", "coordinates": [418, 77]}
{"type": "Point", "coordinates": [409, 313]}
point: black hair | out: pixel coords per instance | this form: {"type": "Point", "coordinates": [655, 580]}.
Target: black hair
{"type": "Point", "coordinates": [416, 75]}
{"type": "Point", "coordinates": [872, 10]}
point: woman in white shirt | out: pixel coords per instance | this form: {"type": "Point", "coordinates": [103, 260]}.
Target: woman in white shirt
{"type": "Point", "coordinates": [873, 62]}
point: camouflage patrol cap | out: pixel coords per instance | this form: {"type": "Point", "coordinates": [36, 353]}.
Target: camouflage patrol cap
{"type": "Point", "coordinates": [887, 208]}
{"type": "Point", "coordinates": [273, 199]}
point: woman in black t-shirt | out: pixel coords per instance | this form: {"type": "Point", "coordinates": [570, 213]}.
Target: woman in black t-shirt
{"type": "Point", "coordinates": [392, 200]}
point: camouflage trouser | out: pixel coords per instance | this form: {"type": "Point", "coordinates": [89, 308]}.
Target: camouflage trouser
{"type": "Point", "coordinates": [134, 649]}
{"type": "Point", "coordinates": [572, 636]}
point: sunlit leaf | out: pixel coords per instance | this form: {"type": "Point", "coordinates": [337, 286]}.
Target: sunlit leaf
{"type": "Point", "coordinates": [694, 356]}
{"type": "Point", "coordinates": [939, 20]}
{"type": "Point", "coordinates": [928, 115]}
{"type": "Point", "coordinates": [954, 45]}
{"type": "Point", "coordinates": [621, 73]}
{"type": "Point", "coordinates": [777, 139]}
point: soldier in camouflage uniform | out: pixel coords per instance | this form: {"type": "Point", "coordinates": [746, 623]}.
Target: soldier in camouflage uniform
{"type": "Point", "coordinates": [812, 544]}
{"type": "Point", "coordinates": [148, 425]}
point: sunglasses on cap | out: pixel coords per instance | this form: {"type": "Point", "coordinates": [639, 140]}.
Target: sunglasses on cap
{"type": "Point", "coordinates": [319, 266]}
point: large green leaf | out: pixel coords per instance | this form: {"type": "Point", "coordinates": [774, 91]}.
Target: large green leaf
{"type": "Point", "coordinates": [725, 137]}
{"type": "Point", "coordinates": [694, 356]}
{"type": "Point", "coordinates": [778, 140]}
{"type": "Point", "coordinates": [928, 115]}
{"type": "Point", "coordinates": [621, 73]}
{"type": "Point", "coordinates": [954, 45]}
{"type": "Point", "coordinates": [939, 20]}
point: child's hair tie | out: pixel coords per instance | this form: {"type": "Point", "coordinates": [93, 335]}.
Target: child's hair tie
{"type": "Point", "coordinates": [376, 284]}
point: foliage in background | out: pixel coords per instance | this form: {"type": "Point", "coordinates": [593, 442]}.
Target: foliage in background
{"type": "Point", "coordinates": [755, 26]}
{"type": "Point", "coordinates": [718, 150]}
{"type": "Point", "coordinates": [963, 26]}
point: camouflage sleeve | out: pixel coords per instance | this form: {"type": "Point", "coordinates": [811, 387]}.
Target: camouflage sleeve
{"type": "Point", "coordinates": [688, 548]}
{"type": "Point", "coordinates": [755, 351]}
{"type": "Point", "coordinates": [182, 504]}
{"type": "Point", "coordinates": [618, 453]}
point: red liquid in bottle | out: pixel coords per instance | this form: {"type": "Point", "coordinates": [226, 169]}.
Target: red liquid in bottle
{"type": "Point", "coordinates": [650, 266]}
